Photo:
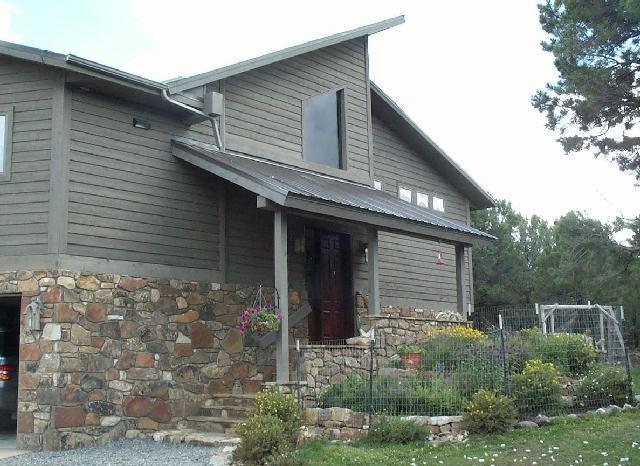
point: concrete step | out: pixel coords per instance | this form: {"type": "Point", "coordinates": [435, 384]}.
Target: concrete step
{"type": "Point", "coordinates": [226, 411]}
{"type": "Point", "coordinates": [228, 399]}
{"type": "Point", "coordinates": [196, 437]}
{"type": "Point", "coordinates": [221, 425]}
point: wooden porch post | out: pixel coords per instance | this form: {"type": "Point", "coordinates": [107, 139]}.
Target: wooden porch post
{"type": "Point", "coordinates": [461, 275]}
{"type": "Point", "coordinates": [282, 287]}
{"type": "Point", "coordinates": [374, 278]}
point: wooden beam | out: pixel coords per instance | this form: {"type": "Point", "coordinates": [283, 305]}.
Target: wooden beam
{"type": "Point", "coordinates": [374, 275]}
{"type": "Point", "coordinates": [222, 230]}
{"type": "Point", "coordinates": [460, 279]}
{"type": "Point", "coordinates": [282, 287]}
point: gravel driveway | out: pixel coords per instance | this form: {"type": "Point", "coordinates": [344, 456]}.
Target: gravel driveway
{"type": "Point", "coordinates": [120, 453]}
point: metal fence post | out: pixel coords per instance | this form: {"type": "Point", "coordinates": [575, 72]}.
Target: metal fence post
{"type": "Point", "coordinates": [372, 355]}
{"type": "Point", "coordinates": [503, 351]}
{"type": "Point", "coordinates": [625, 353]}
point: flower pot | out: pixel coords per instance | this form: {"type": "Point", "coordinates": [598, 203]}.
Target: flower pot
{"type": "Point", "coordinates": [411, 360]}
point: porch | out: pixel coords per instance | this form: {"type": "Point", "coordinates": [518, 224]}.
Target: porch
{"type": "Point", "coordinates": [326, 235]}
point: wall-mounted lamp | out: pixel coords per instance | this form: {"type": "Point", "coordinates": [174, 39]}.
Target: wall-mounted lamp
{"type": "Point", "coordinates": [32, 314]}
{"type": "Point", "coordinates": [439, 260]}
{"type": "Point", "coordinates": [141, 124]}
{"type": "Point", "coordinates": [365, 252]}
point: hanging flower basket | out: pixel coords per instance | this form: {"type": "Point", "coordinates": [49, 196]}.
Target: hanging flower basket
{"type": "Point", "coordinates": [260, 320]}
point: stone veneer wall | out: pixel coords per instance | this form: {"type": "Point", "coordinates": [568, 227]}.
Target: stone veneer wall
{"type": "Point", "coordinates": [116, 353]}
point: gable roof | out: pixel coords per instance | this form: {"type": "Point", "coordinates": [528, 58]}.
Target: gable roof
{"type": "Point", "coordinates": [182, 84]}
{"type": "Point", "coordinates": [384, 107]}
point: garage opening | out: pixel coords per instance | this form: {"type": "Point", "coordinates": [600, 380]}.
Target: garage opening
{"type": "Point", "coordinates": [9, 358]}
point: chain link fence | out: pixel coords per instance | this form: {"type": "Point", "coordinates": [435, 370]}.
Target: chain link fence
{"type": "Point", "coordinates": [549, 360]}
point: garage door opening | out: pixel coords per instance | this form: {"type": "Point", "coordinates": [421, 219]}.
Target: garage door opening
{"type": "Point", "coordinates": [9, 358]}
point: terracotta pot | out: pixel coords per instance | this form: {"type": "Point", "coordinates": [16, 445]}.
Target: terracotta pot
{"type": "Point", "coordinates": [411, 360]}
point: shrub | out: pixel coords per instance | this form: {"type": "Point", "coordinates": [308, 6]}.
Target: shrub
{"type": "Point", "coordinates": [261, 437]}
{"type": "Point", "coordinates": [476, 373]}
{"type": "Point", "coordinates": [537, 389]}
{"type": "Point", "coordinates": [602, 386]}
{"type": "Point", "coordinates": [445, 346]}
{"type": "Point", "coordinates": [396, 430]}
{"type": "Point", "coordinates": [489, 412]}
{"type": "Point", "coordinates": [570, 353]}
{"type": "Point", "coordinates": [285, 459]}
{"type": "Point", "coordinates": [283, 406]}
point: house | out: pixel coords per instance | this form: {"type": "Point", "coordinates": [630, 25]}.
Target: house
{"type": "Point", "coordinates": [138, 218]}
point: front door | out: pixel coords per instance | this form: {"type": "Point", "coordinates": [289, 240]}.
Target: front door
{"type": "Point", "coordinates": [330, 285]}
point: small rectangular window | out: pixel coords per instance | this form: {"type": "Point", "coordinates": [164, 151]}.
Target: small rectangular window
{"type": "Point", "coordinates": [322, 127]}
{"type": "Point", "coordinates": [438, 204]}
{"type": "Point", "coordinates": [377, 184]}
{"type": "Point", "coordinates": [422, 199]}
{"type": "Point", "coordinates": [6, 130]}
{"type": "Point", "coordinates": [405, 194]}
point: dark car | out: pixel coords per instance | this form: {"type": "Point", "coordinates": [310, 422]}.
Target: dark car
{"type": "Point", "coordinates": [9, 345]}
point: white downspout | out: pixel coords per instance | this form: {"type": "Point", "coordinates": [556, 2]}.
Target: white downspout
{"type": "Point", "coordinates": [214, 121]}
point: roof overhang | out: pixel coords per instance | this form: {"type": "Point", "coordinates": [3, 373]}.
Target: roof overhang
{"type": "Point", "coordinates": [308, 192]}
{"type": "Point", "coordinates": [388, 111]}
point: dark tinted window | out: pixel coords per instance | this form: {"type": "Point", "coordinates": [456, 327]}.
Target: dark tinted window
{"type": "Point", "coordinates": [322, 131]}
{"type": "Point", "coordinates": [9, 342]}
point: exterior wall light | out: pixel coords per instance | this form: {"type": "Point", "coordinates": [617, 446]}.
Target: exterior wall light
{"type": "Point", "coordinates": [141, 124]}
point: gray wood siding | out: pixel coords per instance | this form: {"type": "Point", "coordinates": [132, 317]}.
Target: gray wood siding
{"type": "Point", "coordinates": [24, 198]}
{"type": "Point", "coordinates": [129, 198]}
{"type": "Point", "coordinates": [264, 106]}
{"type": "Point", "coordinates": [409, 275]}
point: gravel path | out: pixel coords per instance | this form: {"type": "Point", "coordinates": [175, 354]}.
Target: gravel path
{"type": "Point", "coordinates": [120, 453]}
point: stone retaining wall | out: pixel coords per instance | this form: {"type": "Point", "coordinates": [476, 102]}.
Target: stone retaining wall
{"type": "Point", "coordinates": [344, 424]}
{"type": "Point", "coordinates": [116, 353]}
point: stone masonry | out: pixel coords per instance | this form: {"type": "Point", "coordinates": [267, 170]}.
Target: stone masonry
{"type": "Point", "coordinates": [117, 353]}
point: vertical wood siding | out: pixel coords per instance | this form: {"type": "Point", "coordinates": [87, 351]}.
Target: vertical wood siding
{"type": "Point", "coordinates": [409, 275]}
{"type": "Point", "coordinates": [129, 198]}
{"type": "Point", "coordinates": [24, 202]}
{"type": "Point", "coordinates": [264, 106]}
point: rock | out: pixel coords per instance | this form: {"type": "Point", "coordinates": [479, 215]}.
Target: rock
{"type": "Point", "coordinates": [67, 282]}
{"type": "Point", "coordinates": [160, 412]}
{"type": "Point", "coordinates": [181, 303]}
{"type": "Point", "coordinates": [52, 332]}
{"type": "Point", "coordinates": [359, 341]}
{"type": "Point", "coordinates": [213, 371]}
{"type": "Point", "coordinates": [29, 353]}
{"type": "Point", "coordinates": [182, 339]}
{"type": "Point", "coordinates": [79, 335]}
{"type": "Point", "coordinates": [96, 312]}
{"type": "Point", "coordinates": [145, 360]}
{"type": "Point", "coordinates": [168, 306]}
{"type": "Point", "coordinates": [28, 285]}
{"type": "Point", "coordinates": [201, 337]}
{"type": "Point", "coordinates": [64, 313]}
{"type": "Point", "coordinates": [68, 416]}
{"type": "Point", "coordinates": [132, 284]}
{"type": "Point", "coordinates": [49, 362]}
{"type": "Point", "coordinates": [88, 282]}
{"type": "Point", "coordinates": [109, 421]}
{"type": "Point", "coordinates": [137, 406]}
{"type": "Point", "coordinates": [102, 408]}
{"type": "Point", "coordinates": [542, 420]}
{"type": "Point", "coordinates": [526, 425]}
{"type": "Point", "coordinates": [232, 343]}
{"type": "Point", "coordinates": [189, 316]}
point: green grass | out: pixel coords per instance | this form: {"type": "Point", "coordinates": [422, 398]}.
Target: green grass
{"type": "Point", "coordinates": [635, 373]}
{"type": "Point", "coordinates": [567, 441]}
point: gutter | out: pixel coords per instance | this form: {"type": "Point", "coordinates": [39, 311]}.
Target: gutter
{"type": "Point", "coordinates": [214, 122]}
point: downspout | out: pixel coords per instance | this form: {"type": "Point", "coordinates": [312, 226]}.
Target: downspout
{"type": "Point", "coordinates": [214, 121]}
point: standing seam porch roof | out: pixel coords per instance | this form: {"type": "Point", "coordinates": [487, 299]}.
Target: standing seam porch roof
{"type": "Point", "coordinates": [313, 192]}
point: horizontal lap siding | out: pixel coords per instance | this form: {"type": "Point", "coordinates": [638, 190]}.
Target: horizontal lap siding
{"type": "Point", "coordinates": [129, 198]}
{"type": "Point", "coordinates": [409, 275]}
{"type": "Point", "coordinates": [24, 204]}
{"type": "Point", "coordinates": [265, 105]}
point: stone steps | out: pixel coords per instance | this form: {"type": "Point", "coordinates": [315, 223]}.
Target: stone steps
{"type": "Point", "coordinates": [236, 412]}
{"type": "Point", "coordinates": [221, 425]}
{"type": "Point", "coordinates": [195, 437]}
{"type": "Point", "coordinates": [228, 399]}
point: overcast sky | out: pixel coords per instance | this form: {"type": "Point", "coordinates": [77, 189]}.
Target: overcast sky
{"type": "Point", "coordinates": [464, 71]}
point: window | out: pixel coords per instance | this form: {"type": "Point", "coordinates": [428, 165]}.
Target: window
{"type": "Point", "coordinates": [405, 194]}
{"type": "Point", "coordinates": [322, 127]}
{"type": "Point", "coordinates": [377, 184]}
{"type": "Point", "coordinates": [422, 199]}
{"type": "Point", "coordinates": [438, 204]}
{"type": "Point", "coordinates": [6, 129]}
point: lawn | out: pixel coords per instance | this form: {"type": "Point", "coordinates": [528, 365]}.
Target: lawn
{"type": "Point", "coordinates": [588, 440]}
{"type": "Point", "coordinates": [635, 372]}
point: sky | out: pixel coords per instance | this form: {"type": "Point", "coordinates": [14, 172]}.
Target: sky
{"type": "Point", "coordinates": [464, 71]}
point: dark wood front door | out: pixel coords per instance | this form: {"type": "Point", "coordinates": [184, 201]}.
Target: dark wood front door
{"type": "Point", "coordinates": [330, 285]}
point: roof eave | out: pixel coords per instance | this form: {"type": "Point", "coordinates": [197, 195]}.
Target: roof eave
{"type": "Point", "coordinates": [479, 198]}
{"type": "Point", "coordinates": [289, 52]}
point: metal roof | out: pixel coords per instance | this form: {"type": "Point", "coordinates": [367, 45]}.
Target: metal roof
{"type": "Point", "coordinates": [313, 192]}
{"type": "Point", "coordinates": [182, 84]}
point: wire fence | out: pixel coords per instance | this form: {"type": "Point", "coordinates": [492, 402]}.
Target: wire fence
{"type": "Point", "coordinates": [549, 360]}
